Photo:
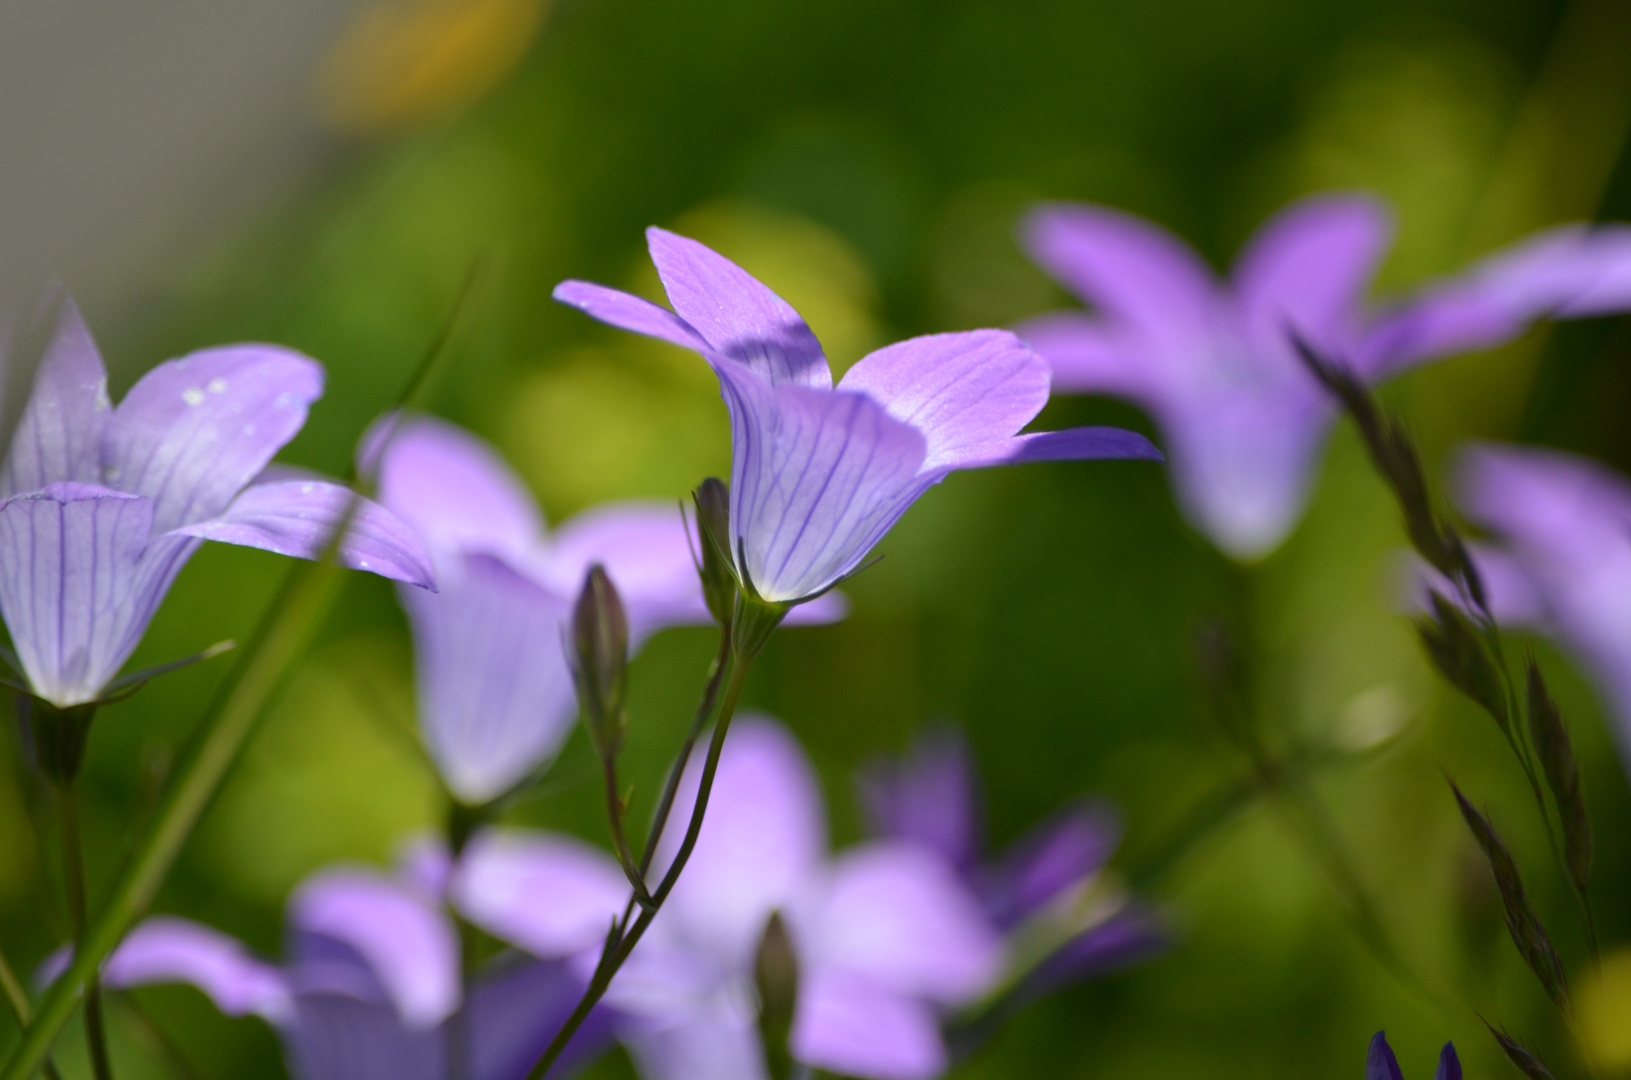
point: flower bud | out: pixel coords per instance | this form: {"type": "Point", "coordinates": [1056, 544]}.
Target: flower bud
{"type": "Point", "coordinates": [713, 503]}
{"type": "Point", "coordinates": [600, 636]}
{"type": "Point", "coordinates": [776, 975]}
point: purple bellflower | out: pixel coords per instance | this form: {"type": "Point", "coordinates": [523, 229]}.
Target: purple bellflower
{"type": "Point", "coordinates": [930, 797]}
{"type": "Point", "coordinates": [819, 472]}
{"type": "Point", "coordinates": [1380, 1064]}
{"type": "Point", "coordinates": [1560, 556]}
{"type": "Point", "coordinates": [370, 984]}
{"type": "Point", "coordinates": [885, 935]}
{"type": "Point", "coordinates": [102, 506]}
{"type": "Point", "coordinates": [495, 692]}
{"type": "Point", "coordinates": [1213, 362]}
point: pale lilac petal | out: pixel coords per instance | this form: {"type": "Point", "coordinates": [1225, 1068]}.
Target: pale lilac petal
{"type": "Point", "coordinates": [1308, 269]}
{"type": "Point", "coordinates": [495, 693]}
{"type": "Point", "coordinates": [966, 393]}
{"type": "Point", "coordinates": [1380, 1064]}
{"type": "Point", "coordinates": [646, 551]}
{"type": "Point", "coordinates": [628, 312]}
{"type": "Point", "coordinates": [1136, 274]}
{"type": "Point", "coordinates": [929, 797]}
{"type": "Point", "coordinates": [452, 487]}
{"type": "Point", "coordinates": [829, 607]}
{"type": "Point", "coordinates": [515, 1012]}
{"type": "Point", "coordinates": [298, 518]}
{"type": "Point", "coordinates": [846, 1023]}
{"type": "Point", "coordinates": [79, 583]}
{"type": "Point", "coordinates": [407, 942]}
{"type": "Point", "coordinates": [1087, 355]}
{"type": "Point", "coordinates": [1072, 444]}
{"type": "Point", "coordinates": [1050, 859]}
{"type": "Point", "coordinates": [1244, 465]}
{"type": "Point", "coordinates": [761, 844]}
{"type": "Point", "coordinates": [1572, 271]}
{"type": "Point", "coordinates": [60, 431]}
{"type": "Point", "coordinates": [338, 1037]}
{"type": "Point", "coordinates": [899, 915]}
{"type": "Point", "coordinates": [736, 314]}
{"type": "Point", "coordinates": [192, 432]}
{"type": "Point", "coordinates": [719, 1042]}
{"type": "Point", "coordinates": [168, 950]}
{"type": "Point", "coordinates": [547, 894]}
{"type": "Point", "coordinates": [819, 477]}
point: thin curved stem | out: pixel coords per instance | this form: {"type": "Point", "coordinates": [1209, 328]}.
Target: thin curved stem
{"type": "Point", "coordinates": [12, 988]}
{"type": "Point", "coordinates": [73, 866]}
{"type": "Point", "coordinates": [620, 945]}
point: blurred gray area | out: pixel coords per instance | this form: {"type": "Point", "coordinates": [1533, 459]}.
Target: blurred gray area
{"type": "Point", "coordinates": [132, 133]}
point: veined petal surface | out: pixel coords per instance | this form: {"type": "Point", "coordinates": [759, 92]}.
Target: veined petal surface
{"type": "Point", "coordinates": [298, 518]}
{"type": "Point", "coordinates": [495, 692]}
{"type": "Point", "coordinates": [193, 432]}
{"type": "Point", "coordinates": [59, 434]}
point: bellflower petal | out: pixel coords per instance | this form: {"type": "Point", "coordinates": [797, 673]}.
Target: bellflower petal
{"type": "Point", "coordinates": [898, 914]}
{"type": "Point", "coordinates": [733, 311]}
{"type": "Point", "coordinates": [169, 950]}
{"type": "Point", "coordinates": [451, 487]}
{"type": "Point", "coordinates": [1572, 271]}
{"type": "Point", "coordinates": [1563, 525]}
{"type": "Point", "coordinates": [337, 1037]}
{"type": "Point", "coordinates": [1139, 275]}
{"type": "Point", "coordinates": [829, 474]}
{"type": "Point", "coordinates": [761, 842]}
{"type": "Point", "coordinates": [626, 312]}
{"type": "Point", "coordinates": [1050, 859]}
{"type": "Point", "coordinates": [646, 551]}
{"type": "Point", "coordinates": [59, 434]}
{"type": "Point", "coordinates": [298, 518]}
{"type": "Point", "coordinates": [720, 1042]}
{"type": "Point", "coordinates": [405, 940]}
{"type": "Point", "coordinates": [1449, 1066]}
{"type": "Point", "coordinates": [1309, 268]}
{"type": "Point", "coordinates": [549, 895]}
{"type": "Point", "coordinates": [495, 693]}
{"type": "Point", "coordinates": [1380, 1064]}
{"type": "Point", "coordinates": [929, 797]}
{"type": "Point", "coordinates": [818, 475]}
{"type": "Point", "coordinates": [1121, 941]}
{"type": "Point", "coordinates": [79, 583]}
{"type": "Point", "coordinates": [193, 432]}
{"type": "Point", "coordinates": [846, 1023]}
{"type": "Point", "coordinates": [515, 1012]}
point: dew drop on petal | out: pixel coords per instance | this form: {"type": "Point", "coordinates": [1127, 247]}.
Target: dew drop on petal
{"type": "Point", "coordinates": [217, 386]}
{"type": "Point", "coordinates": [192, 395]}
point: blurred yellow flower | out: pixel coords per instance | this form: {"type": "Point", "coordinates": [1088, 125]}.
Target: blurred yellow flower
{"type": "Point", "coordinates": [399, 63]}
{"type": "Point", "coordinates": [1605, 1013]}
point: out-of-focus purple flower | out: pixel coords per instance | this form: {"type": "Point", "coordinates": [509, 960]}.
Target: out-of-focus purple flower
{"type": "Point", "coordinates": [369, 985]}
{"type": "Point", "coordinates": [1213, 363]}
{"type": "Point", "coordinates": [1560, 558]}
{"type": "Point", "coordinates": [885, 935]}
{"type": "Point", "coordinates": [495, 691]}
{"type": "Point", "coordinates": [102, 506]}
{"type": "Point", "coordinates": [1380, 1064]}
{"type": "Point", "coordinates": [931, 797]}
{"type": "Point", "coordinates": [820, 473]}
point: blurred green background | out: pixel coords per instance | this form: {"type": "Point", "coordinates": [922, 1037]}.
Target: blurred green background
{"type": "Point", "coordinates": [868, 160]}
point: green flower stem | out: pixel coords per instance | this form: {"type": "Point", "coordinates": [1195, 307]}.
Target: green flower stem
{"type": "Point", "coordinates": [73, 867]}
{"type": "Point", "coordinates": [620, 945]}
{"type": "Point", "coordinates": [277, 643]}
{"type": "Point", "coordinates": [18, 1000]}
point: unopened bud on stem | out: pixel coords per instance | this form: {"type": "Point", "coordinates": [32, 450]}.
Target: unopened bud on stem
{"type": "Point", "coordinates": [776, 974]}
{"type": "Point", "coordinates": [713, 502]}
{"type": "Point", "coordinates": [600, 637]}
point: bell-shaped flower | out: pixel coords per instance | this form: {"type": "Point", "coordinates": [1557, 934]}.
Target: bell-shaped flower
{"type": "Point", "coordinates": [1559, 560]}
{"type": "Point", "coordinates": [1047, 886]}
{"type": "Point", "coordinates": [1380, 1064]}
{"type": "Point", "coordinates": [495, 689]}
{"type": "Point", "coordinates": [100, 507]}
{"type": "Point", "coordinates": [369, 986]}
{"type": "Point", "coordinates": [885, 935]}
{"type": "Point", "coordinates": [1213, 363]}
{"type": "Point", "coordinates": [820, 473]}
